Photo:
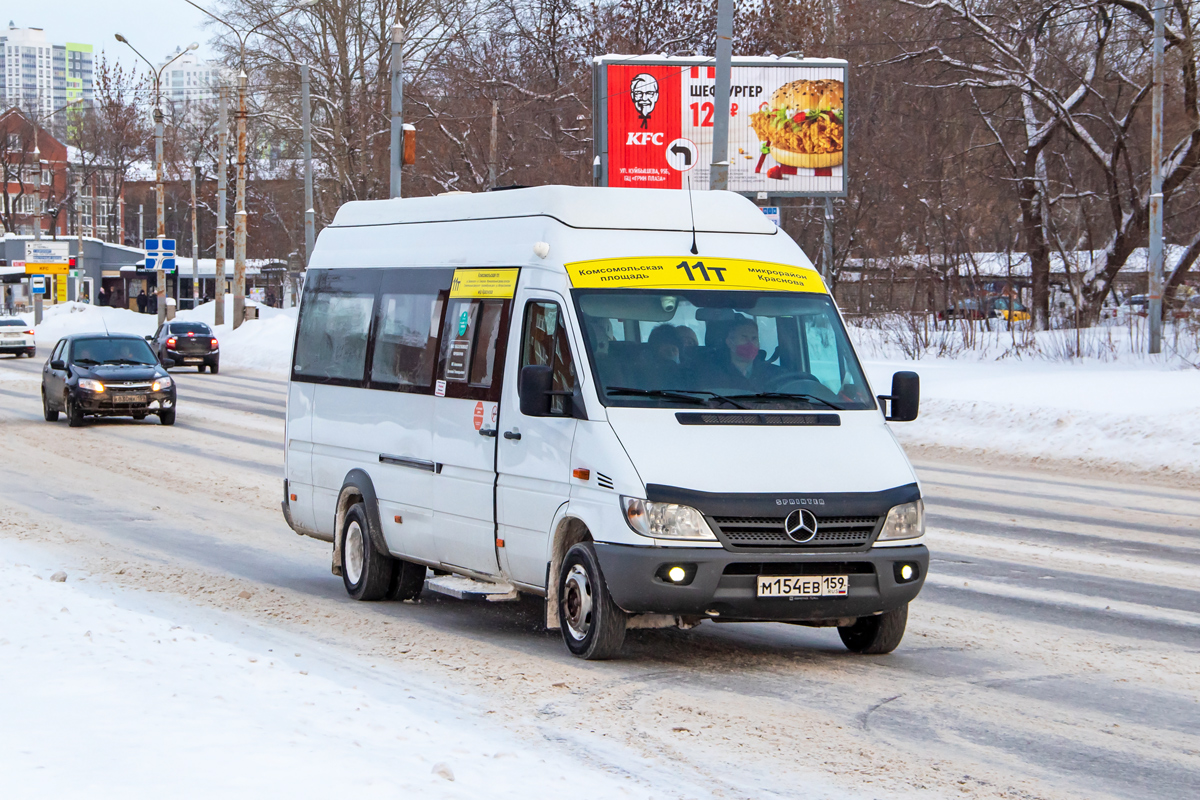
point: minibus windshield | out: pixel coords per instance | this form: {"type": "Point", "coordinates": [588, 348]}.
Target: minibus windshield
{"type": "Point", "coordinates": [743, 349]}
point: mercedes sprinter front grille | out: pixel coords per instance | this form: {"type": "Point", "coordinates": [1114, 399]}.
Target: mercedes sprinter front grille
{"type": "Point", "coordinates": [753, 532]}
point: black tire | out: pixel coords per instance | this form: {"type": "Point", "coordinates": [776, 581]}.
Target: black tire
{"type": "Point", "coordinates": [592, 625]}
{"type": "Point", "coordinates": [878, 634]}
{"type": "Point", "coordinates": [408, 581]}
{"type": "Point", "coordinates": [166, 417]}
{"type": "Point", "coordinates": [213, 368]}
{"type": "Point", "coordinates": [139, 415]}
{"type": "Point", "coordinates": [74, 413]}
{"type": "Point", "coordinates": [51, 414]}
{"type": "Point", "coordinates": [200, 368]}
{"type": "Point", "coordinates": [366, 572]}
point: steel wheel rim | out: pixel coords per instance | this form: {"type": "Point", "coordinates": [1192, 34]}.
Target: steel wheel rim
{"type": "Point", "coordinates": [577, 603]}
{"type": "Point", "coordinates": [354, 552]}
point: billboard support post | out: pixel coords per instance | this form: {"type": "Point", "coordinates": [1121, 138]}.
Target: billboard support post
{"type": "Point", "coordinates": [718, 175]}
{"type": "Point", "coordinates": [827, 250]}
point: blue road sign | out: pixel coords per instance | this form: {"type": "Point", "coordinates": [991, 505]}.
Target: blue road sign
{"type": "Point", "coordinates": [160, 254]}
{"type": "Point", "coordinates": [37, 284]}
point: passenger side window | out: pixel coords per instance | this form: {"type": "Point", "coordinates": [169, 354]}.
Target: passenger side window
{"type": "Point", "coordinates": [58, 350]}
{"type": "Point", "coordinates": [334, 327]}
{"type": "Point", "coordinates": [544, 342]}
{"type": "Point", "coordinates": [406, 329]}
{"type": "Point", "coordinates": [472, 347]}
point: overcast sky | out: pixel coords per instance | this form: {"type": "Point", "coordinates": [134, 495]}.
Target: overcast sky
{"type": "Point", "coordinates": [155, 27]}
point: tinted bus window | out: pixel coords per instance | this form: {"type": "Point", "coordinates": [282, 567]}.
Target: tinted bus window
{"type": "Point", "coordinates": [334, 326]}
{"type": "Point", "coordinates": [406, 328]}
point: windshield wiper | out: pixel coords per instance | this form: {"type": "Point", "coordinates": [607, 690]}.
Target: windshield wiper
{"type": "Point", "coordinates": [788, 396]}
{"type": "Point", "coordinates": [126, 361]}
{"type": "Point", "coordinates": [86, 361]}
{"type": "Point", "coordinates": [675, 394]}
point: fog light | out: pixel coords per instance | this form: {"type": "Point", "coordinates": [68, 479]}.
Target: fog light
{"type": "Point", "coordinates": [906, 572]}
{"type": "Point", "coordinates": [676, 574]}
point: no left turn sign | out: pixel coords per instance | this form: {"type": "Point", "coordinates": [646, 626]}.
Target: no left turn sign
{"type": "Point", "coordinates": [682, 154]}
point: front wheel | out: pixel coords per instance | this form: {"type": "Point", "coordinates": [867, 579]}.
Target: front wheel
{"type": "Point", "coordinates": [51, 414]}
{"type": "Point", "coordinates": [593, 627]}
{"type": "Point", "coordinates": [878, 634]}
{"type": "Point", "coordinates": [74, 413]}
{"type": "Point", "coordinates": [166, 417]}
{"type": "Point", "coordinates": [366, 572]}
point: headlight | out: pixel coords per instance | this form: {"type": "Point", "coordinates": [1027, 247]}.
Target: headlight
{"type": "Point", "coordinates": [905, 521]}
{"type": "Point", "coordinates": [665, 520]}
{"type": "Point", "coordinates": [162, 383]}
{"type": "Point", "coordinates": [91, 385]}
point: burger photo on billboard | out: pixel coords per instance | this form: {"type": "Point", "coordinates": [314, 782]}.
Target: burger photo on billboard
{"type": "Point", "coordinates": [802, 124]}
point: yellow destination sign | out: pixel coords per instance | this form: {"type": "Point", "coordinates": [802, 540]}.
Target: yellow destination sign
{"type": "Point", "coordinates": [47, 269]}
{"type": "Point", "coordinates": [728, 274]}
{"type": "Point", "coordinates": [484, 283]}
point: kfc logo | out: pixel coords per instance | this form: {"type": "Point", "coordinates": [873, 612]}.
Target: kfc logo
{"type": "Point", "coordinates": [643, 91]}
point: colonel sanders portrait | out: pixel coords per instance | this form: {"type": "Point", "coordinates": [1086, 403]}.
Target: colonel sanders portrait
{"type": "Point", "coordinates": [643, 90]}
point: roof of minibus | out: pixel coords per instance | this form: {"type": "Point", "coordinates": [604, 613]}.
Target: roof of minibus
{"type": "Point", "coordinates": [585, 207]}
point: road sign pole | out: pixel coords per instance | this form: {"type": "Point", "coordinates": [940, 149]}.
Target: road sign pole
{"type": "Point", "coordinates": [718, 176]}
{"type": "Point", "coordinates": [222, 212]}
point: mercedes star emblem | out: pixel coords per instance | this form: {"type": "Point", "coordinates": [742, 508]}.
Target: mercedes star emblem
{"type": "Point", "coordinates": [801, 525]}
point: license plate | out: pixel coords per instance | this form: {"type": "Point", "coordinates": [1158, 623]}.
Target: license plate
{"type": "Point", "coordinates": [12, 336]}
{"type": "Point", "coordinates": [802, 585]}
{"type": "Point", "coordinates": [193, 360]}
{"type": "Point", "coordinates": [129, 398]}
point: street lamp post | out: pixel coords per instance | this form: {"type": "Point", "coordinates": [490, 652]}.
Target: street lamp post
{"type": "Point", "coordinates": [239, 214]}
{"type": "Point", "coordinates": [160, 276]}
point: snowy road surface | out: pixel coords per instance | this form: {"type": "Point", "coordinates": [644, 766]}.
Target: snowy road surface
{"type": "Point", "coordinates": [1054, 653]}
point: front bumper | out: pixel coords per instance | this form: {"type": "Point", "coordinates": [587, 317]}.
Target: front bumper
{"type": "Point", "coordinates": [726, 583]}
{"type": "Point", "coordinates": [101, 404]}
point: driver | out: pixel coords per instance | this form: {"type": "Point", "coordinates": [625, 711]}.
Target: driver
{"type": "Point", "coordinates": [744, 365]}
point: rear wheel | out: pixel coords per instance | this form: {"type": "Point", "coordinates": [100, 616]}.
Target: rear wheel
{"type": "Point", "coordinates": [200, 368]}
{"type": "Point", "coordinates": [167, 417]}
{"type": "Point", "coordinates": [213, 368]}
{"type": "Point", "coordinates": [51, 414]}
{"type": "Point", "coordinates": [74, 413]}
{"type": "Point", "coordinates": [366, 572]}
{"type": "Point", "coordinates": [593, 627]}
{"type": "Point", "coordinates": [878, 634]}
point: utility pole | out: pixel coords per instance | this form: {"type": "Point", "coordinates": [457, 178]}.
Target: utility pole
{"type": "Point", "coordinates": [37, 213]}
{"type": "Point", "coordinates": [160, 275]}
{"type": "Point", "coordinates": [492, 145]}
{"type": "Point", "coordinates": [222, 213]}
{"type": "Point", "coordinates": [1156, 196]}
{"type": "Point", "coordinates": [79, 231]}
{"type": "Point", "coordinates": [310, 223]}
{"type": "Point", "coordinates": [195, 243]}
{"type": "Point", "coordinates": [718, 176]}
{"type": "Point", "coordinates": [827, 250]}
{"type": "Point", "coordinates": [239, 213]}
{"type": "Point", "coordinates": [397, 143]}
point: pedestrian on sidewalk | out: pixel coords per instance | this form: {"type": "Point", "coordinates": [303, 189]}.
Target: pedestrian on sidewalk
{"type": "Point", "coordinates": [141, 301]}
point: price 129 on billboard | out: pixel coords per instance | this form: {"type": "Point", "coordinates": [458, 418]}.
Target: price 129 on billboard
{"type": "Point", "coordinates": [787, 123]}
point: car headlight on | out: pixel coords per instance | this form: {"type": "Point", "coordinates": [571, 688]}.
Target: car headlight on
{"type": "Point", "coordinates": [665, 520]}
{"type": "Point", "coordinates": [161, 383]}
{"type": "Point", "coordinates": [905, 521]}
{"type": "Point", "coordinates": [91, 385]}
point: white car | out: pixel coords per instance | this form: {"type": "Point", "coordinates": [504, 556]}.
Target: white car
{"type": "Point", "coordinates": [16, 337]}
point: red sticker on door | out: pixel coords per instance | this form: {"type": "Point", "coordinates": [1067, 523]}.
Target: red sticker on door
{"type": "Point", "coordinates": [478, 416]}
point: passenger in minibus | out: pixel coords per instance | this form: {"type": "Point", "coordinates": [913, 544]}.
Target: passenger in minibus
{"type": "Point", "coordinates": [660, 359]}
{"type": "Point", "coordinates": [608, 369]}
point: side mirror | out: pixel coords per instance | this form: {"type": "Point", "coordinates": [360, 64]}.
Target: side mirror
{"type": "Point", "coordinates": [58, 364]}
{"type": "Point", "coordinates": [167, 362]}
{"type": "Point", "coordinates": [905, 398]}
{"type": "Point", "coordinates": [534, 387]}
{"type": "Point", "coordinates": [149, 338]}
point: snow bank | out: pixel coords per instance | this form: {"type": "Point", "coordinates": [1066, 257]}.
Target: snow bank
{"type": "Point", "coordinates": [122, 695]}
{"type": "Point", "coordinates": [1141, 415]}
{"type": "Point", "coordinates": [264, 344]}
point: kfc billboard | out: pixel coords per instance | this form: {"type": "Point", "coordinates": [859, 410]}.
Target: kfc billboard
{"type": "Point", "coordinates": [654, 123]}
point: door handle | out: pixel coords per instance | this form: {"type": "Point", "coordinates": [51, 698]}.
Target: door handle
{"type": "Point", "coordinates": [488, 432]}
{"type": "Point", "coordinates": [514, 435]}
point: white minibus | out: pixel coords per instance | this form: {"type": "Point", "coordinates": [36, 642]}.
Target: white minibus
{"type": "Point", "coordinates": [639, 405]}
